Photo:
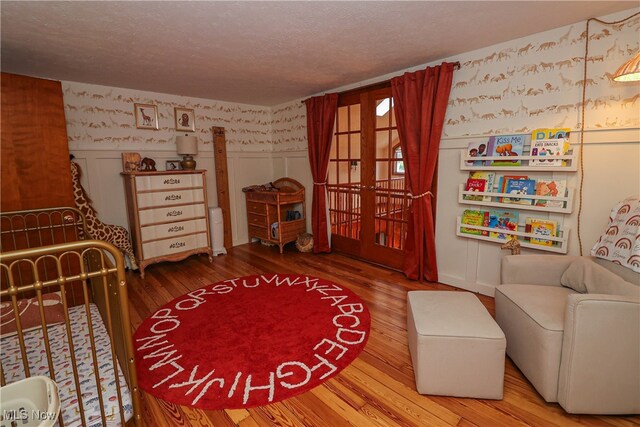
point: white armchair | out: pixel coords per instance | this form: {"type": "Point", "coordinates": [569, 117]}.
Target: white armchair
{"type": "Point", "coordinates": [573, 328]}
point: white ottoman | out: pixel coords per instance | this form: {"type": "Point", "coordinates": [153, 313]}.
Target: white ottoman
{"type": "Point", "coordinates": [456, 347]}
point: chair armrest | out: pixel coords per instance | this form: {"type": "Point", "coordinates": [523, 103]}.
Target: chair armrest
{"type": "Point", "coordinates": [534, 269]}
{"type": "Point", "coordinates": [600, 366]}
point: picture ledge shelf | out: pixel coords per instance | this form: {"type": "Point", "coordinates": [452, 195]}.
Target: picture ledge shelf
{"type": "Point", "coordinates": [561, 248]}
{"type": "Point", "coordinates": [567, 209]}
{"type": "Point", "coordinates": [571, 159]}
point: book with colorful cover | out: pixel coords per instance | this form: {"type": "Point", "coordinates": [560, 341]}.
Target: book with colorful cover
{"type": "Point", "coordinates": [476, 149]}
{"type": "Point", "coordinates": [520, 186]}
{"type": "Point", "coordinates": [551, 188]}
{"type": "Point", "coordinates": [490, 144]}
{"type": "Point", "coordinates": [549, 142]}
{"type": "Point", "coordinates": [489, 177]}
{"type": "Point", "coordinates": [475, 217]}
{"type": "Point", "coordinates": [543, 228]}
{"type": "Point", "coordinates": [474, 184]}
{"type": "Point", "coordinates": [504, 180]}
{"type": "Point", "coordinates": [509, 146]}
{"type": "Point", "coordinates": [502, 220]}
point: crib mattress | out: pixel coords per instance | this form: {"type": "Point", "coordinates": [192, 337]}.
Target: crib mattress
{"type": "Point", "coordinates": [70, 411]}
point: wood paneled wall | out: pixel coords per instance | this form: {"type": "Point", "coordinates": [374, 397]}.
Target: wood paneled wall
{"type": "Point", "coordinates": [35, 170]}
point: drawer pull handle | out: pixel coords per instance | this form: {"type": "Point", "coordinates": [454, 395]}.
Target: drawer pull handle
{"type": "Point", "coordinates": [171, 181]}
{"type": "Point", "coordinates": [174, 213]}
{"type": "Point", "coordinates": [177, 245]}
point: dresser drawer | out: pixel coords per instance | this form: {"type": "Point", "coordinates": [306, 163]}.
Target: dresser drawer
{"type": "Point", "coordinates": [164, 231]}
{"type": "Point", "coordinates": [260, 233]}
{"type": "Point", "coordinates": [174, 245]}
{"type": "Point", "coordinates": [168, 198]}
{"type": "Point", "coordinates": [255, 219]}
{"type": "Point", "coordinates": [255, 207]}
{"type": "Point", "coordinates": [171, 214]}
{"type": "Point", "coordinates": [168, 182]}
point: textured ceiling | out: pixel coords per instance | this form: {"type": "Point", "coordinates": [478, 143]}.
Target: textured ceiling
{"type": "Point", "coordinates": [262, 53]}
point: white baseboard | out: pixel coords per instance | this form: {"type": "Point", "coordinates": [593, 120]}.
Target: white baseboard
{"type": "Point", "coordinates": [458, 282]}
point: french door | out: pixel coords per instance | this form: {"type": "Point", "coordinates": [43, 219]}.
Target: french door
{"type": "Point", "coordinates": [368, 201]}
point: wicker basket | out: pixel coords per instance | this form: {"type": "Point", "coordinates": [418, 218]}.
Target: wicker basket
{"type": "Point", "coordinates": [304, 242]}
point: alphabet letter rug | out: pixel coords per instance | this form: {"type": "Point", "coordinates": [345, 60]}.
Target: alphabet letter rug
{"type": "Point", "coordinates": [250, 341]}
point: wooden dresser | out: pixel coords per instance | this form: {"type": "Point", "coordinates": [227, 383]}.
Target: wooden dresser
{"type": "Point", "coordinates": [267, 217]}
{"type": "Point", "coordinates": [167, 215]}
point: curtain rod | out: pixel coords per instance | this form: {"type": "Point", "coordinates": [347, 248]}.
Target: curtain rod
{"type": "Point", "coordinates": [456, 66]}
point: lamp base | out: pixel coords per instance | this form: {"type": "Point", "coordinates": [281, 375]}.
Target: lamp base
{"type": "Point", "coordinates": [188, 163]}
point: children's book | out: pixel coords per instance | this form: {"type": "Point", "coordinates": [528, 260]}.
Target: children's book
{"type": "Point", "coordinates": [504, 180]}
{"type": "Point", "coordinates": [474, 184]}
{"type": "Point", "coordinates": [520, 186]}
{"type": "Point", "coordinates": [549, 142]}
{"type": "Point", "coordinates": [551, 188]}
{"type": "Point", "coordinates": [489, 177]}
{"type": "Point", "coordinates": [476, 149]}
{"type": "Point", "coordinates": [508, 146]}
{"type": "Point", "coordinates": [543, 228]}
{"type": "Point", "coordinates": [502, 220]}
{"type": "Point", "coordinates": [490, 144]}
{"type": "Point", "coordinates": [475, 217]}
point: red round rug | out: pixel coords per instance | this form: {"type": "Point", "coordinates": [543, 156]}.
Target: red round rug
{"type": "Point", "coordinates": [250, 341]}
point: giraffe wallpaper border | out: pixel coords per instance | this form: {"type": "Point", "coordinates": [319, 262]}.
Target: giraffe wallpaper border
{"type": "Point", "coordinates": [104, 116]}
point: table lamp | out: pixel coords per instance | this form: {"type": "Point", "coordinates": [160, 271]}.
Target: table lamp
{"type": "Point", "coordinates": [187, 146]}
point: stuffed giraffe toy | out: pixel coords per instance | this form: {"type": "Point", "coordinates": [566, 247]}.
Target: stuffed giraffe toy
{"type": "Point", "coordinates": [114, 234]}
{"type": "Point", "coordinates": [513, 244]}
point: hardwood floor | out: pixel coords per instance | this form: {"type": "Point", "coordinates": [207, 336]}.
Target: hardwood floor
{"type": "Point", "coordinates": [378, 388]}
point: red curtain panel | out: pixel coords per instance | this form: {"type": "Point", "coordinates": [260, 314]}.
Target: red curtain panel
{"type": "Point", "coordinates": [420, 101]}
{"type": "Point", "coordinates": [321, 116]}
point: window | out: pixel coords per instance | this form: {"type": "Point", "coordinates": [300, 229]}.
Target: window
{"type": "Point", "coordinates": [398, 165]}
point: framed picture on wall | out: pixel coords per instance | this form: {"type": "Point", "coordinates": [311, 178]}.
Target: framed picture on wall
{"type": "Point", "coordinates": [185, 119]}
{"type": "Point", "coordinates": [173, 165]}
{"type": "Point", "coordinates": [146, 116]}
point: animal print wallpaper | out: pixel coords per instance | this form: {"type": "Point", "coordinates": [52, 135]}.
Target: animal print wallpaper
{"type": "Point", "coordinates": [102, 117]}
{"type": "Point", "coordinates": [536, 81]}
{"type": "Point", "coordinates": [524, 84]}
{"type": "Point", "coordinates": [512, 87]}
{"type": "Point", "coordinates": [289, 126]}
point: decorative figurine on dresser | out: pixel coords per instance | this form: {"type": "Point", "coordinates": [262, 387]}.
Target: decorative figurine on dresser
{"type": "Point", "coordinates": [167, 215]}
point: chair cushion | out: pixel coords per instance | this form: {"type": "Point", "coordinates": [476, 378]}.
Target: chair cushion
{"type": "Point", "coordinates": [585, 276]}
{"type": "Point", "coordinates": [543, 304]}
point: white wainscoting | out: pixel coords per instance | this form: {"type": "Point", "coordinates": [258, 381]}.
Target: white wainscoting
{"type": "Point", "coordinates": [104, 185]}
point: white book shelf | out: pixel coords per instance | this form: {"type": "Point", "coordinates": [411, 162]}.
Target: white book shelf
{"type": "Point", "coordinates": [560, 242]}
{"type": "Point", "coordinates": [566, 209]}
{"type": "Point", "coordinates": [571, 158]}
{"type": "Point", "coordinates": [568, 164]}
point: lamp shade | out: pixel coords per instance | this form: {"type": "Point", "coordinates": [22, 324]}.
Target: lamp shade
{"type": "Point", "coordinates": [629, 71]}
{"type": "Point", "coordinates": [187, 145]}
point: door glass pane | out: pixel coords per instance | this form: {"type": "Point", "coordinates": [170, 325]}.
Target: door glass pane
{"type": "Point", "coordinates": [343, 119]}
{"type": "Point", "coordinates": [333, 175]}
{"type": "Point", "coordinates": [343, 147]}
{"type": "Point", "coordinates": [382, 144]}
{"type": "Point", "coordinates": [355, 146]}
{"type": "Point", "coordinates": [333, 150]}
{"type": "Point", "coordinates": [392, 114]}
{"type": "Point", "coordinates": [382, 112]}
{"type": "Point", "coordinates": [354, 119]}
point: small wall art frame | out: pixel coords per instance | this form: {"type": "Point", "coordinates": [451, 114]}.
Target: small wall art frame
{"type": "Point", "coordinates": [173, 165]}
{"type": "Point", "coordinates": [185, 119]}
{"type": "Point", "coordinates": [146, 116]}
